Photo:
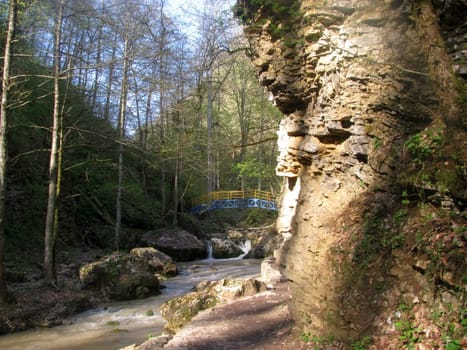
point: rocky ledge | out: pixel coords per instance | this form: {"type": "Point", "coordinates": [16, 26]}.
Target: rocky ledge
{"type": "Point", "coordinates": [230, 314]}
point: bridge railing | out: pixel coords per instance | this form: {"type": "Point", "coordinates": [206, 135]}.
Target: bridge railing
{"type": "Point", "coordinates": [227, 195]}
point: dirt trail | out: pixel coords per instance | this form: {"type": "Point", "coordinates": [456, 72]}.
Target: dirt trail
{"type": "Point", "coordinates": [260, 322]}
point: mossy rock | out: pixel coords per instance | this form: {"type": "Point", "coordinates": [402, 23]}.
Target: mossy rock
{"type": "Point", "coordinates": [121, 277]}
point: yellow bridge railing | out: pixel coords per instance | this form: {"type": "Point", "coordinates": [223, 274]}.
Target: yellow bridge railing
{"type": "Point", "coordinates": [226, 195]}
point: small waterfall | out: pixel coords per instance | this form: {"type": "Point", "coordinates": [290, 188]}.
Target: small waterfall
{"type": "Point", "coordinates": [245, 247]}
{"type": "Point", "coordinates": [209, 249]}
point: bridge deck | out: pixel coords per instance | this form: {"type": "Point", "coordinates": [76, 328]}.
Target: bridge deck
{"type": "Point", "coordinates": [234, 200]}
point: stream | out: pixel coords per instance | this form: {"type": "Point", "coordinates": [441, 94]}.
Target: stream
{"type": "Point", "coordinates": [121, 324]}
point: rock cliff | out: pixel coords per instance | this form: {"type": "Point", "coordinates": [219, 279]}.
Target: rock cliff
{"type": "Point", "coordinates": [372, 151]}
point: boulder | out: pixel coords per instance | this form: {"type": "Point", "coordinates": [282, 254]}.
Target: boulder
{"type": "Point", "coordinates": [177, 243]}
{"type": "Point", "coordinates": [265, 246]}
{"type": "Point", "coordinates": [120, 276]}
{"type": "Point", "coordinates": [161, 263]}
{"type": "Point", "coordinates": [225, 248]}
{"type": "Point", "coordinates": [180, 310]}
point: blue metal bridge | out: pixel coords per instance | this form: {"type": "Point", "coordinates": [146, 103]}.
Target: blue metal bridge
{"type": "Point", "coordinates": [234, 200]}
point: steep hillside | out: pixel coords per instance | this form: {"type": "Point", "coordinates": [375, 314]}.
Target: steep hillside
{"type": "Point", "coordinates": [373, 158]}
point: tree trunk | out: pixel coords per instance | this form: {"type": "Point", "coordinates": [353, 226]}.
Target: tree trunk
{"type": "Point", "coordinates": [175, 188]}
{"type": "Point", "coordinates": [50, 234]}
{"type": "Point", "coordinates": [108, 96]}
{"type": "Point", "coordinates": [3, 132]}
{"type": "Point", "coordinates": [210, 123]}
{"type": "Point", "coordinates": [121, 134]}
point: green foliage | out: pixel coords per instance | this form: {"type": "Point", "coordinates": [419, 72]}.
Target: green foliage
{"type": "Point", "coordinates": [422, 146]}
{"type": "Point", "coordinates": [453, 329]}
{"type": "Point", "coordinates": [257, 217]}
{"type": "Point", "coordinates": [279, 15]}
{"type": "Point", "coordinates": [377, 142]}
{"type": "Point", "coordinates": [317, 341]}
{"type": "Point", "coordinates": [371, 243]}
{"type": "Point", "coordinates": [362, 344]}
{"type": "Point", "coordinates": [88, 168]}
{"type": "Point", "coordinates": [453, 345]}
{"type": "Point", "coordinates": [247, 168]}
{"type": "Point", "coordinates": [409, 334]}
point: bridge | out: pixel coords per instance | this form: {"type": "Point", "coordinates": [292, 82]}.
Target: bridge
{"type": "Point", "coordinates": [234, 200]}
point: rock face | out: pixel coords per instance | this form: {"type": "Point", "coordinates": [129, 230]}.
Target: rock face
{"type": "Point", "coordinates": [371, 113]}
{"type": "Point", "coordinates": [179, 244]}
{"type": "Point", "coordinates": [122, 276]}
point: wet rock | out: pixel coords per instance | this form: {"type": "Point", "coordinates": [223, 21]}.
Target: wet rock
{"type": "Point", "coordinates": [225, 248]}
{"type": "Point", "coordinates": [177, 243]}
{"type": "Point", "coordinates": [120, 276]}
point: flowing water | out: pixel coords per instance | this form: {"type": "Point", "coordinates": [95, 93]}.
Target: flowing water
{"type": "Point", "coordinates": [125, 323]}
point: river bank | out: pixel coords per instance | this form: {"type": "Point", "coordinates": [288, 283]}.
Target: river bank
{"type": "Point", "coordinates": [114, 325]}
{"type": "Point", "coordinates": [37, 305]}
{"type": "Point", "coordinates": [256, 322]}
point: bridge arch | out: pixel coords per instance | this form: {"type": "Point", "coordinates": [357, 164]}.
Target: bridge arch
{"type": "Point", "coordinates": [234, 200]}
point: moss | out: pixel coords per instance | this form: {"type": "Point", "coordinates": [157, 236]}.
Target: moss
{"type": "Point", "coordinates": [149, 313]}
{"type": "Point", "coordinates": [119, 330]}
{"type": "Point", "coordinates": [278, 16]}
{"type": "Point", "coordinates": [447, 178]}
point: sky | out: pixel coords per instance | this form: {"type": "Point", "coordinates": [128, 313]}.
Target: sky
{"type": "Point", "coordinates": [186, 6]}
{"type": "Point", "coordinates": [186, 12]}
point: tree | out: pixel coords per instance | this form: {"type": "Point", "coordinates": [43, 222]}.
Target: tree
{"type": "Point", "coordinates": [251, 121]}
{"type": "Point", "coordinates": [214, 39]}
{"type": "Point", "coordinates": [121, 133]}
{"type": "Point", "coordinates": [12, 9]}
{"type": "Point", "coordinates": [54, 169]}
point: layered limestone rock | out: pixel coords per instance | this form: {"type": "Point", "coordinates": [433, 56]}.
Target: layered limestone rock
{"type": "Point", "coordinates": [356, 80]}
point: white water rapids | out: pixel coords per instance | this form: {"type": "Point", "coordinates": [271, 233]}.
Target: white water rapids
{"type": "Point", "coordinates": [125, 323]}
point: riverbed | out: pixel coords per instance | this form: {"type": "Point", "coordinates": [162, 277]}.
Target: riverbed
{"type": "Point", "coordinates": [121, 324]}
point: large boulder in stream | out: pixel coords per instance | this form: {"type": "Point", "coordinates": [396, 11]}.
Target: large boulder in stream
{"type": "Point", "coordinates": [179, 244]}
{"type": "Point", "coordinates": [161, 263]}
{"type": "Point", "coordinates": [180, 310]}
{"type": "Point", "coordinates": [225, 248]}
{"type": "Point", "coordinates": [124, 276]}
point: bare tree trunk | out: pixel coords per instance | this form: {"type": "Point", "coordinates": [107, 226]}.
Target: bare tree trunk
{"type": "Point", "coordinates": [97, 76]}
{"type": "Point", "coordinates": [121, 135]}
{"type": "Point", "coordinates": [3, 143]}
{"type": "Point", "coordinates": [109, 84]}
{"type": "Point", "coordinates": [261, 146]}
{"type": "Point", "coordinates": [210, 123]}
{"type": "Point", "coordinates": [50, 234]}
{"type": "Point", "coordinates": [163, 115]}
{"type": "Point", "coordinates": [176, 179]}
